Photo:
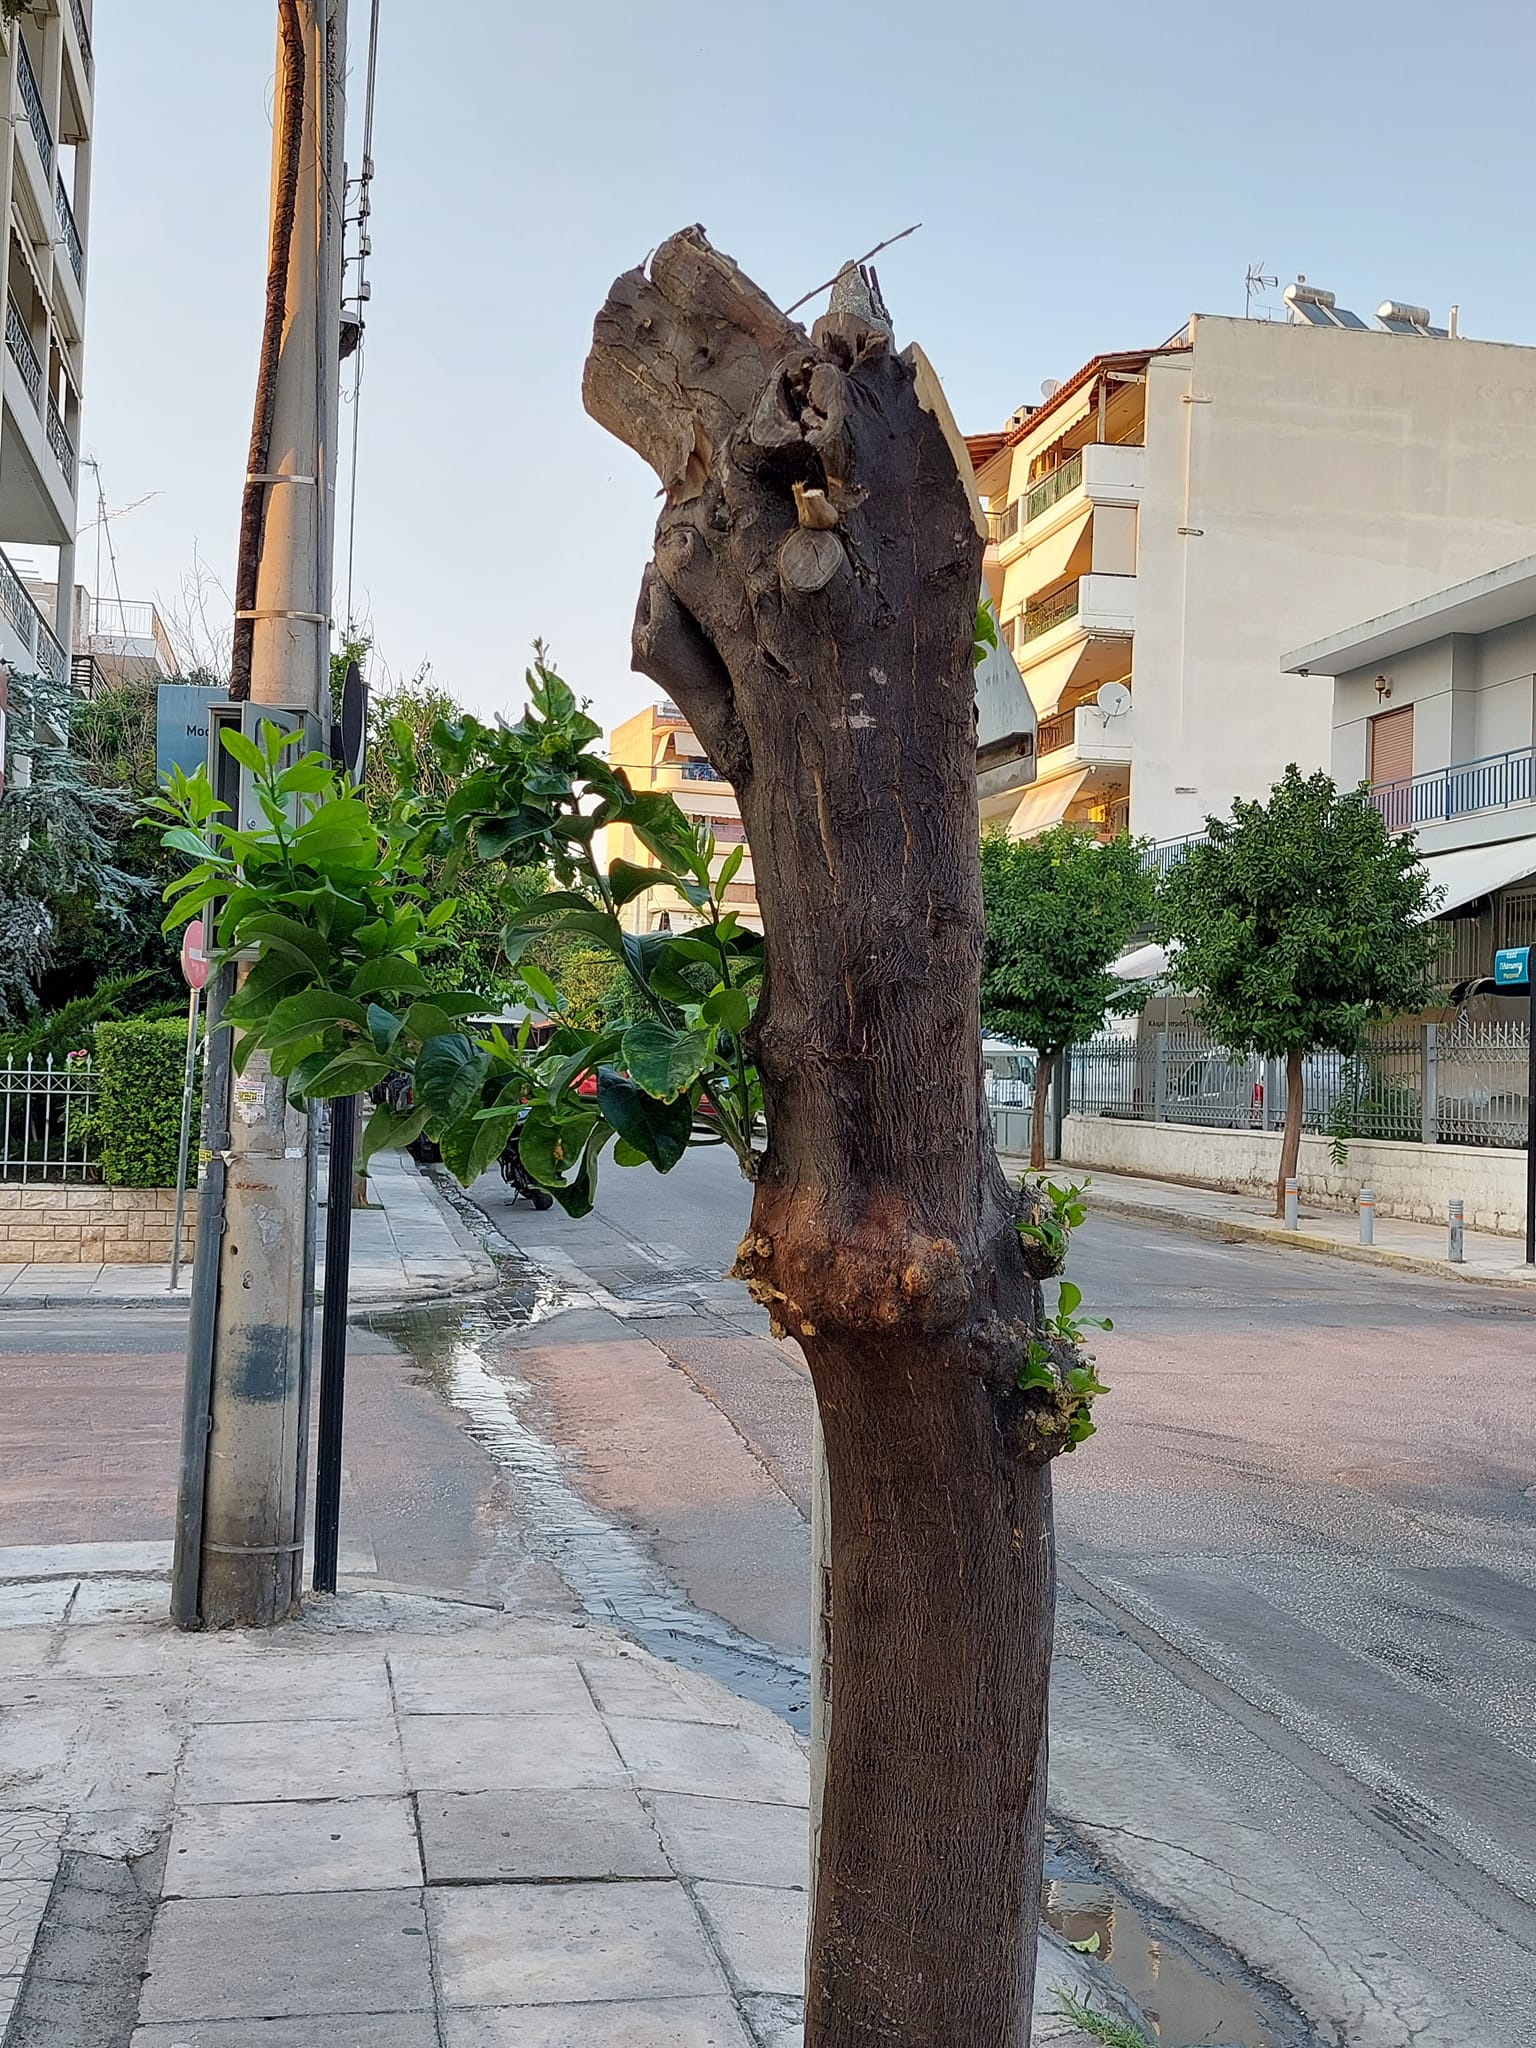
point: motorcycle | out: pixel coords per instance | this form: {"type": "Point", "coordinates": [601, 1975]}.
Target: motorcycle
{"type": "Point", "coordinates": [517, 1176]}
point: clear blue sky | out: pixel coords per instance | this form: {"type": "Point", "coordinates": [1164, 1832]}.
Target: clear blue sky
{"type": "Point", "coordinates": [1086, 177]}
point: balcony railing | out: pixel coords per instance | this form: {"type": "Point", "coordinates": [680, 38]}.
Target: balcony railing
{"type": "Point", "coordinates": [23, 354]}
{"type": "Point", "coordinates": [1054, 610]}
{"type": "Point", "coordinates": [1003, 523]}
{"type": "Point", "coordinates": [72, 241]}
{"type": "Point", "coordinates": [1167, 853]}
{"type": "Point", "coordinates": [31, 628]}
{"type": "Point", "coordinates": [32, 100]}
{"type": "Point", "coordinates": [58, 440]}
{"type": "Point", "coordinates": [1489, 784]}
{"type": "Point", "coordinates": [83, 32]}
{"type": "Point", "coordinates": [1055, 733]}
{"type": "Point", "coordinates": [1051, 489]}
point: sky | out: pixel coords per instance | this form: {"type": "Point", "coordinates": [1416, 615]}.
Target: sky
{"type": "Point", "coordinates": [1086, 178]}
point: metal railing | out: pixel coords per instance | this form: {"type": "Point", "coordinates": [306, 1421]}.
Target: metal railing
{"type": "Point", "coordinates": [1488, 784]}
{"type": "Point", "coordinates": [82, 30]}
{"type": "Point", "coordinates": [23, 354]}
{"type": "Point", "coordinates": [1052, 488]}
{"type": "Point", "coordinates": [1449, 1084]}
{"type": "Point", "coordinates": [32, 629]}
{"type": "Point", "coordinates": [1003, 523]}
{"type": "Point", "coordinates": [701, 771]}
{"type": "Point", "coordinates": [85, 678]}
{"type": "Point", "coordinates": [72, 242]}
{"type": "Point", "coordinates": [1167, 853]}
{"type": "Point", "coordinates": [1055, 733]}
{"type": "Point", "coordinates": [1051, 611]}
{"type": "Point", "coordinates": [45, 1131]}
{"type": "Point", "coordinates": [50, 656]}
{"type": "Point", "coordinates": [58, 440]}
{"type": "Point", "coordinates": [32, 100]}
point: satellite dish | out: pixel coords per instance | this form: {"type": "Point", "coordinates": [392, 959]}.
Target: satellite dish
{"type": "Point", "coordinates": [1050, 387]}
{"type": "Point", "coordinates": [1113, 699]}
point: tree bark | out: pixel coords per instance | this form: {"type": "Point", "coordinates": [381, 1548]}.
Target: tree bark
{"type": "Point", "coordinates": [1045, 1067]}
{"type": "Point", "coordinates": [825, 663]}
{"type": "Point", "coordinates": [1290, 1140]}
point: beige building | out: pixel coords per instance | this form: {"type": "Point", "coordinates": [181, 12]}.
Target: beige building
{"type": "Point", "coordinates": [47, 172]}
{"type": "Point", "coordinates": [657, 749]}
{"type": "Point", "coordinates": [1175, 520]}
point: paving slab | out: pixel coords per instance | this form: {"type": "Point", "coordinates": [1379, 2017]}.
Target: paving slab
{"type": "Point", "coordinates": [735, 1841]}
{"type": "Point", "coordinates": [649, 2023]}
{"type": "Point", "coordinates": [21, 1908]}
{"type": "Point", "coordinates": [276, 1958]}
{"type": "Point", "coordinates": [328, 2030]}
{"type": "Point", "coordinates": [239, 1761]}
{"type": "Point", "coordinates": [320, 1845]}
{"type": "Point", "coordinates": [500, 1837]}
{"type": "Point", "coordinates": [290, 1689]}
{"type": "Point", "coordinates": [724, 1763]}
{"type": "Point", "coordinates": [760, 1933]}
{"type": "Point", "coordinates": [569, 1944]}
{"type": "Point", "coordinates": [426, 1684]}
{"type": "Point", "coordinates": [29, 1845]}
{"type": "Point", "coordinates": [646, 1690]}
{"type": "Point", "coordinates": [777, 2022]}
{"type": "Point", "coordinates": [505, 1752]}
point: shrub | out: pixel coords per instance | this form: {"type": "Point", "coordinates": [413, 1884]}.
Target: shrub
{"type": "Point", "coordinates": [136, 1117]}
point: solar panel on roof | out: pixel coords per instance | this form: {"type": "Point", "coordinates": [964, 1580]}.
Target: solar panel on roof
{"type": "Point", "coordinates": [1345, 318]}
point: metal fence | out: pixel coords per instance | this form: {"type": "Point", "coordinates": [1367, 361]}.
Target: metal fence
{"type": "Point", "coordinates": [1445, 1084]}
{"type": "Point", "coordinates": [45, 1129]}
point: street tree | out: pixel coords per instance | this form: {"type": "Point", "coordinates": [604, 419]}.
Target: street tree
{"type": "Point", "coordinates": [1298, 922]}
{"type": "Point", "coordinates": [1060, 908]}
{"type": "Point", "coordinates": [812, 607]}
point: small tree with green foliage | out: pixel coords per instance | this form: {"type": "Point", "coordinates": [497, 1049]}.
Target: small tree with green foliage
{"type": "Point", "coordinates": [1298, 923]}
{"type": "Point", "coordinates": [1060, 908]}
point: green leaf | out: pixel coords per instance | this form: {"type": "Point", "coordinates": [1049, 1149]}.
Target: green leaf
{"type": "Point", "coordinates": [541, 985]}
{"type": "Point", "coordinates": [627, 881]}
{"type": "Point", "coordinates": [662, 1061]}
{"type": "Point", "coordinates": [388, 1130]}
{"type": "Point", "coordinates": [388, 975]}
{"type": "Point", "coordinates": [551, 1139]}
{"type": "Point", "coordinates": [384, 1027]}
{"type": "Point", "coordinates": [625, 1154]}
{"type": "Point", "coordinates": [658, 1130]}
{"type": "Point", "coordinates": [245, 751]}
{"type": "Point", "coordinates": [309, 1012]}
{"type": "Point", "coordinates": [449, 1073]}
{"type": "Point", "coordinates": [728, 1009]}
{"type": "Point", "coordinates": [730, 866]}
{"type": "Point", "coordinates": [474, 1141]}
{"type": "Point", "coordinates": [438, 1016]}
{"type": "Point", "coordinates": [346, 1073]}
{"type": "Point", "coordinates": [1069, 1299]}
{"type": "Point", "coordinates": [580, 1192]}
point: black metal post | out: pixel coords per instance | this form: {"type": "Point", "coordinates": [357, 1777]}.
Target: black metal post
{"type": "Point", "coordinates": [1530, 1133]}
{"type": "Point", "coordinates": [333, 1341]}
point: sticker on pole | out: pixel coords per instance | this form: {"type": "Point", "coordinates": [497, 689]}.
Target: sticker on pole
{"type": "Point", "coordinates": [194, 961]}
{"type": "Point", "coordinates": [1512, 967]}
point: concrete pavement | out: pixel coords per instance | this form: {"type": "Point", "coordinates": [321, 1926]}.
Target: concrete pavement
{"type": "Point", "coordinates": [396, 1823]}
{"type": "Point", "coordinates": [406, 1246]}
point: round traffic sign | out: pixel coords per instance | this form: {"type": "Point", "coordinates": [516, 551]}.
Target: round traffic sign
{"type": "Point", "coordinates": [194, 961]}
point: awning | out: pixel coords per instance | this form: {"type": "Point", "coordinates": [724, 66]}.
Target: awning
{"type": "Point", "coordinates": [1084, 665]}
{"type": "Point", "coordinates": [1141, 963]}
{"type": "Point", "coordinates": [1067, 551]}
{"type": "Point", "coordinates": [1046, 803]}
{"type": "Point", "coordinates": [1474, 871]}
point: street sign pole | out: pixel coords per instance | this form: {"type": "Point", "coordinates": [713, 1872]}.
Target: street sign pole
{"type": "Point", "coordinates": [1512, 976]}
{"type": "Point", "coordinates": [194, 965]}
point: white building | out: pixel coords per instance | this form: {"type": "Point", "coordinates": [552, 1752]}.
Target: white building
{"type": "Point", "coordinates": [1434, 705]}
{"type": "Point", "coordinates": [46, 193]}
{"type": "Point", "coordinates": [1174, 520]}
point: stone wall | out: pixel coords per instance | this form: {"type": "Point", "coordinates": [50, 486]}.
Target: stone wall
{"type": "Point", "coordinates": [70, 1225]}
{"type": "Point", "coordinates": [1415, 1181]}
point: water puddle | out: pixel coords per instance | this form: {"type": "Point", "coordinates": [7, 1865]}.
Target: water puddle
{"type": "Point", "coordinates": [610, 1572]}
{"type": "Point", "coordinates": [1192, 1993]}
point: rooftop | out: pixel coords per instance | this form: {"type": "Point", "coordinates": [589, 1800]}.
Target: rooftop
{"type": "Point", "coordinates": [1499, 598]}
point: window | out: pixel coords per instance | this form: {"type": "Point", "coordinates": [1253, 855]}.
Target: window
{"type": "Point", "coordinates": [1391, 761]}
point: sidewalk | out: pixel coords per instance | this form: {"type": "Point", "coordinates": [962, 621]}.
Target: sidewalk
{"type": "Point", "coordinates": [1411, 1247]}
{"type": "Point", "coordinates": [395, 1823]}
{"type": "Point", "coordinates": [409, 1247]}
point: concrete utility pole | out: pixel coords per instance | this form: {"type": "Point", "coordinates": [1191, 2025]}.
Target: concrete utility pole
{"type": "Point", "coordinates": [240, 1528]}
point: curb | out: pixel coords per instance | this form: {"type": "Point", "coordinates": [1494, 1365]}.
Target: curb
{"type": "Point", "coordinates": [420, 1291]}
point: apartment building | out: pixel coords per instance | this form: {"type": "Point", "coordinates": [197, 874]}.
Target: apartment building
{"type": "Point", "coordinates": [1167, 523]}
{"type": "Point", "coordinates": [658, 749]}
{"type": "Point", "coordinates": [1434, 705]}
{"type": "Point", "coordinates": [47, 175]}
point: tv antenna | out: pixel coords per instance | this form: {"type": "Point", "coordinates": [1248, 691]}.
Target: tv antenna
{"type": "Point", "coordinates": [1255, 285]}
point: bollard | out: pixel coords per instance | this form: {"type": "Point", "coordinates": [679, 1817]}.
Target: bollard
{"type": "Point", "coordinates": [1290, 1201]}
{"type": "Point", "coordinates": [1367, 1215]}
{"type": "Point", "coordinates": [1458, 1231]}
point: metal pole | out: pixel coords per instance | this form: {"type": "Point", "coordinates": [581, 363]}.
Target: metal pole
{"type": "Point", "coordinates": [333, 1342]}
{"type": "Point", "coordinates": [1367, 1215]}
{"type": "Point", "coordinates": [1290, 1202]}
{"type": "Point", "coordinates": [1458, 1247]}
{"type": "Point", "coordinates": [252, 1520]}
{"type": "Point", "coordinates": [183, 1143]}
{"type": "Point", "coordinates": [1530, 1130]}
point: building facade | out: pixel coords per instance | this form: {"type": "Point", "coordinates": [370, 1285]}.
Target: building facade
{"type": "Point", "coordinates": [1434, 706]}
{"type": "Point", "coordinates": [658, 749]}
{"type": "Point", "coordinates": [1173, 520]}
{"type": "Point", "coordinates": [47, 180]}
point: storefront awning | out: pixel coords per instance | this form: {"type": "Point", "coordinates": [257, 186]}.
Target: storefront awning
{"type": "Point", "coordinates": [1474, 871]}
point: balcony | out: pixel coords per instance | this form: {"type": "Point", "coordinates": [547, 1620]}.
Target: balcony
{"type": "Point", "coordinates": [27, 640]}
{"type": "Point", "coordinates": [1084, 738]}
{"type": "Point", "coordinates": [32, 100]}
{"type": "Point", "coordinates": [63, 447]}
{"type": "Point", "coordinates": [1493, 783]}
{"type": "Point", "coordinates": [1114, 472]}
{"type": "Point", "coordinates": [1093, 605]}
{"type": "Point", "coordinates": [83, 33]}
{"type": "Point", "coordinates": [71, 232]}
{"type": "Point", "coordinates": [22, 353]}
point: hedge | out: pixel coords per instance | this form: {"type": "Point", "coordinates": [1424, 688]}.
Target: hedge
{"type": "Point", "coordinates": [136, 1116]}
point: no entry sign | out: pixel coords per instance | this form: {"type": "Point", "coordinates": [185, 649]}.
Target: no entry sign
{"type": "Point", "coordinates": [194, 961]}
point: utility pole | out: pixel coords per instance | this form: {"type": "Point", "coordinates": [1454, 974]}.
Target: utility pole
{"type": "Point", "coordinates": [240, 1524]}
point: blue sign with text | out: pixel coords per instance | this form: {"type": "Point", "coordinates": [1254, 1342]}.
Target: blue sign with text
{"type": "Point", "coordinates": [1512, 967]}
{"type": "Point", "coordinates": [181, 726]}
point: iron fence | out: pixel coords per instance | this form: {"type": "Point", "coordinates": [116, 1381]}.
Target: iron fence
{"type": "Point", "coordinates": [1463, 1083]}
{"type": "Point", "coordinates": [45, 1129]}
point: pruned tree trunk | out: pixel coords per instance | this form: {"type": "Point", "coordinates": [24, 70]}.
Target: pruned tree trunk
{"type": "Point", "coordinates": [819, 640]}
{"type": "Point", "coordinates": [1045, 1067]}
{"type": "Point", "coordinates": [1290, 1139]}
